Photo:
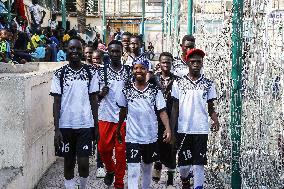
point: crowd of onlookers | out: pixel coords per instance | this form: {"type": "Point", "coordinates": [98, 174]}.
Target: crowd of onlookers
{"type": "Point", "coordinates": [22, 41]}
{"type": "Point", "coordinates": [21, 44]}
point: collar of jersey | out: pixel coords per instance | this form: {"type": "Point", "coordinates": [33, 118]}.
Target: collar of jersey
{"type": "Point", "coordinates": [122, 67]}
{"type": "Point", "coordinates": [194, 82]}
{"type": "Point", "coordinates": [146, 88]}
{"type": "Point", "coordinates": [74, 70]}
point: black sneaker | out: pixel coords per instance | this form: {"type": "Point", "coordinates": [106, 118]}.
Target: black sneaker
{"type": "Point", "coordinates": [108, 180]}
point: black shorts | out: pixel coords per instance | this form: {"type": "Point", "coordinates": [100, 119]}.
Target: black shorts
{"type": "Point", "coordinates": [76, 142]}
{"type": "Point", "coordinates": [192, 149]}
{"type": "Point", "coordinates": [147, 152]}
{"type": "Point", "coordinates": [167, 151]}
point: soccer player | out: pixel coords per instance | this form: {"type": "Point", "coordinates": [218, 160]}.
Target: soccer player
{"type": "Point", "coordinates": [164, 80]}
{"type": "Point", "coordinates": [74, 88]}
{"type": "Point", "coordinates": [192, 94]}
{"type": "Point", "coordinates": [136, 54]}
{"type": "Point", "coordinates": [112, 78]}
{"type": "Point", "coordinates": [97, 58]}
{"type": "Point", "coordinates": [88, 51]}
{"type": "Point", "coordinates": [139, 101]}
{"type": "Point", "coordinates": [125, 40]}
{"type": "Point", "coordinates": [180, 67]}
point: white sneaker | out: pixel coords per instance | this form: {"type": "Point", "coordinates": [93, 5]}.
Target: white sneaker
{"type": "Point", "coordinates": [101, 173]}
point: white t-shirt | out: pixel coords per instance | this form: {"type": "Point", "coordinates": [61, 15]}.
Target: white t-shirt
{"type": "Point", "coordinates": [179, 67]}
{"type": "Point", "coordinates": [37, 11]}
{"type": "Point", "coordinates": [75, 110]}
{"type": "Point", "coordinates": [193, 97]}
{"type": "Point", "coordinates": [108, 110]}
{"type": "Point", "coordinates": [141, 124]}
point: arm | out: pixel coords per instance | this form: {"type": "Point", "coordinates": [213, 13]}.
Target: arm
{"type": "Point", "coordinates": [56, 115]}
{"type": "Point", "coordinates": [103, 93]}
{"type": "Point", "coordinates": [122, 116]}
{"type": "Point", "coordinates": [94, 107]}
{"type": "Point", "coordinates": [165, 119]}
{"type": "Point", "coordinates": [214, 116]}
{"type": "Point", "coordinates": [174, 114]}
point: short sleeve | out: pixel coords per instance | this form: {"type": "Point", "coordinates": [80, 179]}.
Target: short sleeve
{"type": "Point", "coordinates": [55, 86]}
{"type": "Point", "coordinates": [31, 8]}
{"type": "Point", "coordinates": [175, 90]}
{"type": "Point", "coordinates": [94, 83]}
{"type": "Point", "coordinates": [212, 95]}
{"type": "Point", "coordinates": [160, 101]}
{"type": "Point", "coordinates": [121, 99]}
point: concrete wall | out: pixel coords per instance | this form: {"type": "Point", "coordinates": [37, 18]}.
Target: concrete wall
{"type": "Point", "coordinates": [26, 124]}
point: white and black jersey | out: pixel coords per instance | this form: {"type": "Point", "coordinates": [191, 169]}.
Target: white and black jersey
{"type": "Point", "coordinates": [115, 80]}
{"type": "Point", "coordinates": [193, 97]}
{"type": "Point", "coordinates": [74, 87]}
{"type": "Point", "coordinates": [141, 124]}
{"type": "Point", "coordinates": [179, 67]}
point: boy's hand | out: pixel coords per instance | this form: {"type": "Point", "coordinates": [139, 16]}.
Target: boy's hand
{"type": "Point", "coordinates": [119, 137]}
{"type": "Point", "coordinates": [167, 136]}
{"type": "Point", "coordinates": [58, 138]}
{"type": "Point", "coordinates": [215, 126]}
{"type": "Point", "coordinates": [104, 91]}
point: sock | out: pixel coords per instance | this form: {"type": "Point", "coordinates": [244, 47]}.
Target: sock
{"type": "Point", "coordinates": [83, 182]}
{"type": "Point", "coordinates": [133, 175]}
{"type": "Point", "coordinates": [184, 171]}
{"type": "Point", "coordinates": [69, 184]}
{"type": "Point", "coordinates": [198, 172]}
{"type": "Point", "coordinates": [170, 180]}
{"type": "Point", "coordinates": [146, 175]}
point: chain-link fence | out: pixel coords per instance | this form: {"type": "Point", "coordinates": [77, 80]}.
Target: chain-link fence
{"type": "Point", "coordinates": [262, 136]}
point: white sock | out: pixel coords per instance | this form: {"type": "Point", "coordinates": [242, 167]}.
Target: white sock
{"type": "Point", "coordinates": [146, 175]}
{"type": "Point", "coordinates": [198, 172]}
{"type": "Point", "coordinates": [184, 171]}
{"type": "Point", "coordinates": [171, 170]}
{"type": "Point", "coordinates": [133, 175]}
{"type": "Point", "coordinates": [69, 184]}
{"type": "Point", "coordinates": [83, 182]}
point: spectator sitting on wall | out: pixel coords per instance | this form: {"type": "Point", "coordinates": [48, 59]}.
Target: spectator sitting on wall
{"type": "Point", "coordinates": [3, 23]}
{"type": "Point", "coordinates": [61, 55]}
{"type": "Point", "coordinates": [37, 15]}
{"type": "Point", "coordinates": [5, 51]}
{"type": "Point", "coordinates": [20, 51]}
{"type": "Point", "coordinates": [35, 39]}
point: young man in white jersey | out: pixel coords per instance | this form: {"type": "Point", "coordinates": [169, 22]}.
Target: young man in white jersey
{"type": "Point", "coordinates": [125, 40]}
{"type": "Point", "coordinates": [180, 67]}
{"type": "Point", "coordinates": [192, 94]}
{"type": "Point", "coordinates": [136, 54]}
{"type": "Point", "coordinates": [74, 88]}
{"type": "Point", "coordinates": [112, 78]}
{"type": "Point", "coordinates": [139, 101]}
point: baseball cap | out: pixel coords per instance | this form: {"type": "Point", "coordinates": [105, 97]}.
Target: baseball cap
{"type": "Point", "coordinates": [194, 51]}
